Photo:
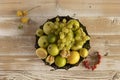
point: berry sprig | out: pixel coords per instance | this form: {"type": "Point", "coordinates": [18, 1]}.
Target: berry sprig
{"type": "Point", "coordinates": [23, 18]}
{"type": "Point", "coordinates": [92, 61]}
{"type": "Point", "coordinates": [23, 14]}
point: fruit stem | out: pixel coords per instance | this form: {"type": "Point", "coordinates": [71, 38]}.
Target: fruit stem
{"type": "Point", "coordinates": [33, 8]}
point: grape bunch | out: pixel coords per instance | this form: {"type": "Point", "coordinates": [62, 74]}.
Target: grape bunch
{"type": "Point", "coordinates": [61, 42]}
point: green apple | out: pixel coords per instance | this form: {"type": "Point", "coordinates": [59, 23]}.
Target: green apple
{"type": "Point", "coordinates": [39, 32]}
{"type": "Point", "coordinates": [43, 42]}
{"type": "Point", "coordinates": [47, 27]}
{"type": "Point", "coordinates": [53, 49]}
{"type": "Point", "coordinates": [60, 61]}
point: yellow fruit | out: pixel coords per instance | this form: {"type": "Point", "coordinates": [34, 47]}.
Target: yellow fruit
{"type": "Point", "coordinates": [83, 52]}
{"type": "Point", "coordinates": [24, 19]}
{"type": "Point", "coordinates": [25, 13]}
{"type": "Point", "coordinates": [19, 13]}
{"type": "Point", "coordinates": [41, 53]}
{"type": "Point", "coordinates": [50, 59]}
{"type": "Point", "coordinates": [73, 58]}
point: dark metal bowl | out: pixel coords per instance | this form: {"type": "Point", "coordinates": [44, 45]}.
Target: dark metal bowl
{"type": "Point", "coordinates": [86, 45]}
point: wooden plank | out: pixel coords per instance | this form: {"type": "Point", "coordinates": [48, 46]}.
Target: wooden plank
{"type": "Point", "coordinates": [46, 7]}
{"type": "Point", "coordinates": [94, 25]}
{"type": "Point", "coordinates": [24, 45]}
{"type": "Point", "coordinates": [59, 74]}
{"type": "Point", "coordinates": [90, 7]}
{"type": "Point", "coordinates": [32, 62]}
{"type": "Point", "coordinates": [17, 45]}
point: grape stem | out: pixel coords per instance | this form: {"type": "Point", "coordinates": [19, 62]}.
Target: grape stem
{"type": "Point", "coordinates": [33, 8]}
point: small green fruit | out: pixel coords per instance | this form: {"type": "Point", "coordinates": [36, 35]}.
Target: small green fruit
{"type": "Point", "coordinates": [83, 52]}
{"type": "Point", "coordinates": [60, 61]}
{"type": "Point", "coordinates": [39, 32]}
{"type": "Point", "coordinates": [43, 42]}
{"type": "Point", "coordinates": [51, 38]}
{"type": "Point", "coordinates": [53, 49]}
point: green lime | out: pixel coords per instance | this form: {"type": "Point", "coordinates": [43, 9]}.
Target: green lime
{"type": "Point", "coordinates": [53, 49]}
{"type": "Point", "coordinates": [60, 61]}
{"type": "Point", "coordinates": [51, 38]}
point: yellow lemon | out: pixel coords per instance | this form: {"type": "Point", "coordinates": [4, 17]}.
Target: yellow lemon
{"type": "Point", "coordinates": [73, 58]}
{"type": "Point", "coordinates": [41, 53]}
{"type": "Point", "coordinates": [83, 52]}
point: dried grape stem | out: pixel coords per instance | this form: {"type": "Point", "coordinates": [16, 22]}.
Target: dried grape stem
{"type": "Point", "coordinates": [33, 8]}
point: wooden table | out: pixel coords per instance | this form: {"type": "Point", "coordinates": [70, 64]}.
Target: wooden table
{"type": "Point", "coordinates": [17, 53]}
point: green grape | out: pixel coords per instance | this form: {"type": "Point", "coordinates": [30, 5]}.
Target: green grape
{"type": "Point", "coordinates": [66, 30]}
{"type": "Point", "coordinates": [69, 26]}
{"type": "Point", "coordinates": [78, 32]}
{"type": "Point", "coordinates": [59, 41]}
{"type": "Point", "coordinates": [68, 47]}
{"type": "Point", "coordinates": [55, 26]}
{"type": "Point", "coordinates": [62, 25]}
{"type": "Point", "coordinates": [64, 20]}
{"type": "Point", "coordinates": [57, 19]}
{"type": "Point", "coordinates": [87, 38]}
{"type": "Point", "coordinates": [57, 31]}
{"type": "Point", "coordinates": [72, 43]}
{"type": "Point", "coordinates": [68, 43]}
{"type": "Point", "coordinates": [63, 40]}
{"type": "Point", "coordinates": [70, 34]}
{"type": "Point", "coordinates": [83, 34]}
{"type": "Point", "coordinates": [77, 37]}
{"type": "Point", "coordinates": [62, 36]}
{"type": "Point", "coordinates": [79, 42]}
{"type": "Point", "coordinates": [74, 23]}
{"type": "Point", "coordinates": [61, 46]}
{"type": "Point", "coordinates": [73, 40]}
{"type": "Point", "coordinates": [69, 38]}
{"type": "Point", "coordinates": [75, 27]}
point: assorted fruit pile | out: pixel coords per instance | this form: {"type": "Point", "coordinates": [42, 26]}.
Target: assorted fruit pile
{"type": "Point", "coordinates": [62, 42]}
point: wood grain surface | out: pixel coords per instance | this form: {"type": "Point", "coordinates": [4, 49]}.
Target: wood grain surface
{"type": "Point", "coordinates": [17, 53]}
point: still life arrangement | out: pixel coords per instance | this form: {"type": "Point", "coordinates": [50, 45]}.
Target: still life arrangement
{"type": "Point", "coordinates": [62, 42]}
